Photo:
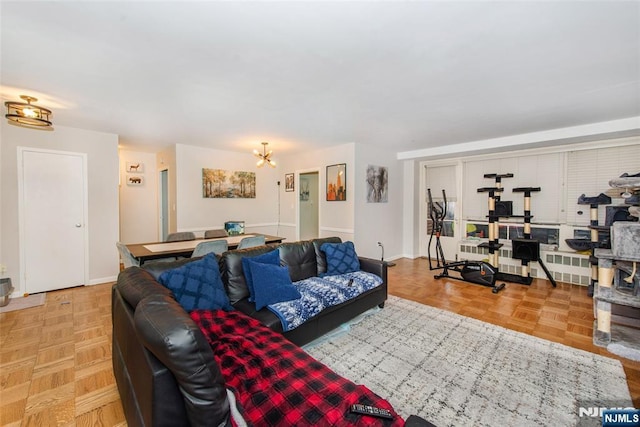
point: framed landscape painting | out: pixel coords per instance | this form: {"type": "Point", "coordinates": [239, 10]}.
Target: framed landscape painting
{"type": "Point", "coordinates": [222, 184]}
{"type": "Point", "coordinates": [337, 182]}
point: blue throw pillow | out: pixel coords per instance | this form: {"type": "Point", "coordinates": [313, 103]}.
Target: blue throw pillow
{"type": "Point", "coordinates": [272, 284]}
{"type": "Point", "coordinates": [272, 258]}
{"type": "Point", "coordinates": [197, 285]}
{"type": "Point", "coordinates": [341, 258]}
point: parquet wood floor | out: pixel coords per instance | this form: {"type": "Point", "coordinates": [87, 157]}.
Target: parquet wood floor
{"type": "Point", "coordinates": [55, 362]}
{"type": "Point", "coordinates": [55, 359]}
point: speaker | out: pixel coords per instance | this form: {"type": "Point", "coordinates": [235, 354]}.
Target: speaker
{"type": "Point", "coordinates": [504, 208]}
{"type": "Point", "coordinates": [525, 249]}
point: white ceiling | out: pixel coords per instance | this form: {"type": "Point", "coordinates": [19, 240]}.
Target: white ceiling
{"type": "Point", "coordinates": [406, 75]}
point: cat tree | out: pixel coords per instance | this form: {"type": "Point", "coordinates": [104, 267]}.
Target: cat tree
{"type": "Point", "coordinates": [617, 293]}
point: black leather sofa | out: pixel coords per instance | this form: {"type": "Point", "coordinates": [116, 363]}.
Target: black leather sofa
{"type": "Point", "coordinates": [176, 384]}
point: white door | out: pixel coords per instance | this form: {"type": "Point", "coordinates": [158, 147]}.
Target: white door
{"type": "Point", "coordinates": [53, 233]}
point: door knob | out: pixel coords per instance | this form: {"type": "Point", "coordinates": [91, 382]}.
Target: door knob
{"type": "Point", "coordinates": [78, 225]}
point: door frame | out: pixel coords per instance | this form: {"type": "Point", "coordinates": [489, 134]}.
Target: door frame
{"type": "Point", "coordinates": [302, 172]}
{"type": "Point", "coordinates": [21, 210]}
{"type": "Point", "coordinates": [163, 201]}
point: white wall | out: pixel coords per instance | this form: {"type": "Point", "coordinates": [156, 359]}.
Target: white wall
{"type": "Point", "coordinates": [196, 213]}
{"type": "Point", "coordinates": [410, 209]}
{"type": "Point", "coordinates": [139, 204]}
{"type": "Point", "coordinates": [375, 222]}
{"type": "Point", "coordinates": [378, 222]}
{"type": "Point", "coordinates": [336, 218]}
{"type": "Point", "coordinates": [102, 159]}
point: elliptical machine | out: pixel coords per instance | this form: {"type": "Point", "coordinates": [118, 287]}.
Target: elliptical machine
{"type": "Point", "coordinates": [477, 272]}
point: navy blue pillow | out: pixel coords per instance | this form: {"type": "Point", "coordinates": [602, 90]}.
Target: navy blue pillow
{"type": "Point", "coordinates": [272, 258]}
{"type": "Point", "coordinates": [341, 258]}
{"type": "Point", "coordinates": [272, 284]}
{"type": "Point", "coordinates": [197, 285]}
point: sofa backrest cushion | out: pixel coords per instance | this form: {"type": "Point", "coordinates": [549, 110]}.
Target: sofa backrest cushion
{"type": "Point", "coordinates": [300, 258]}
{"type": "Point", "coordinates": [321, 258]}
{"type": "Point", "coordinates": [197, 285]}
{"type": "Point", "coordinates": [172, 336]}
{"type": "Point", "coordinates": [135, 284]}
{"type": "Point", "coordinates": [156, 268]}
{"type": "Point", "coordinates": [232, 273]}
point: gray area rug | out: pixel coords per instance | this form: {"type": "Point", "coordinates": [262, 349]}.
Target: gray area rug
{"type": "Point", "coordinates": [458, 371]}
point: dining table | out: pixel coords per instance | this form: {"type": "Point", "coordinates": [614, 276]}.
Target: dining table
{"type": "Point", "coordinates": [144, 252]}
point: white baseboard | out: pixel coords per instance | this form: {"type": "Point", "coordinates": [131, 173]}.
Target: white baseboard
{"type": "Point", "coordinates": [102, 280]}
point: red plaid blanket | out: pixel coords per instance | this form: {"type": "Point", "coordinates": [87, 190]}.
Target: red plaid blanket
{"type": "Point", "coordinates": [276, 383]}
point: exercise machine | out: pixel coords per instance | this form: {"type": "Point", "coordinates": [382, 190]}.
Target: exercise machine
{"type": "Point", "coordinates": [477, 272]}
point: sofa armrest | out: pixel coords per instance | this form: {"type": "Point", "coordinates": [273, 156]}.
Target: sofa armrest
{"type": "Point", "coordinates": [148, 390]}
{"type": "Point", "coordinates": [374, 266]}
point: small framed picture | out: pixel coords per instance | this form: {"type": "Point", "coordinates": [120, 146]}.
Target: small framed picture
{"type": "Point", "coordinates": [137, 167]}
{"type": "Point", "coordinates": [337, 182]}
{"type": "Point", "coordinates": [288, 182]}
{"type": "Point", "coordinates": [135, 180]}
{"type": "Point", "coordinates": [377, 184]}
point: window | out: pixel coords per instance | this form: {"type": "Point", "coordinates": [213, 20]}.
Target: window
{"type": "Point", "coordinates": [447, 222]}
{"type": "Point", "coordinates": [477, 230]}
{"type": "Point", "coordinates": [439, 179]}
{"type": "Point", "coordinates": [545, 235]}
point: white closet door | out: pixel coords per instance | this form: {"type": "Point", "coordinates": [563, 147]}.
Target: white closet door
{"type": "Point", "coordinates": [53, 228]}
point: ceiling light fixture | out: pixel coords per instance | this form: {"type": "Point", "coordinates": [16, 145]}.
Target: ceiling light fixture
{"type": "Point", "coordinates": [27, 114]}
{"type": "Point", "coordinates": [264, 156]}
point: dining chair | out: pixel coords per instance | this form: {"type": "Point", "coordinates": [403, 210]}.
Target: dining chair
{"type": "Point", "coordinates": [127, 259]}
{"type": "Point", "coordinates": [210, 234]}
{"type": "Point", "coordinates": [181, 236]}
{"type": "Point", "coordinates": [215, 246]}
{"type": "Point", "coordinates": [250, 242]}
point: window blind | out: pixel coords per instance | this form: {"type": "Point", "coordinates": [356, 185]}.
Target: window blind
{"type": "Point", "coordinates": [589, 172]}
{"type": "Point", "coordinates": [543, 170]}
{"type": "Point", "coordinates": [440, 178]}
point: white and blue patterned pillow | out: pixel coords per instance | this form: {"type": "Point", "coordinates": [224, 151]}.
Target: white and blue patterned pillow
{"type": "Point", "coordinates": [341, 258]}
{"type": "Point", "coordinates": [197, 285]}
